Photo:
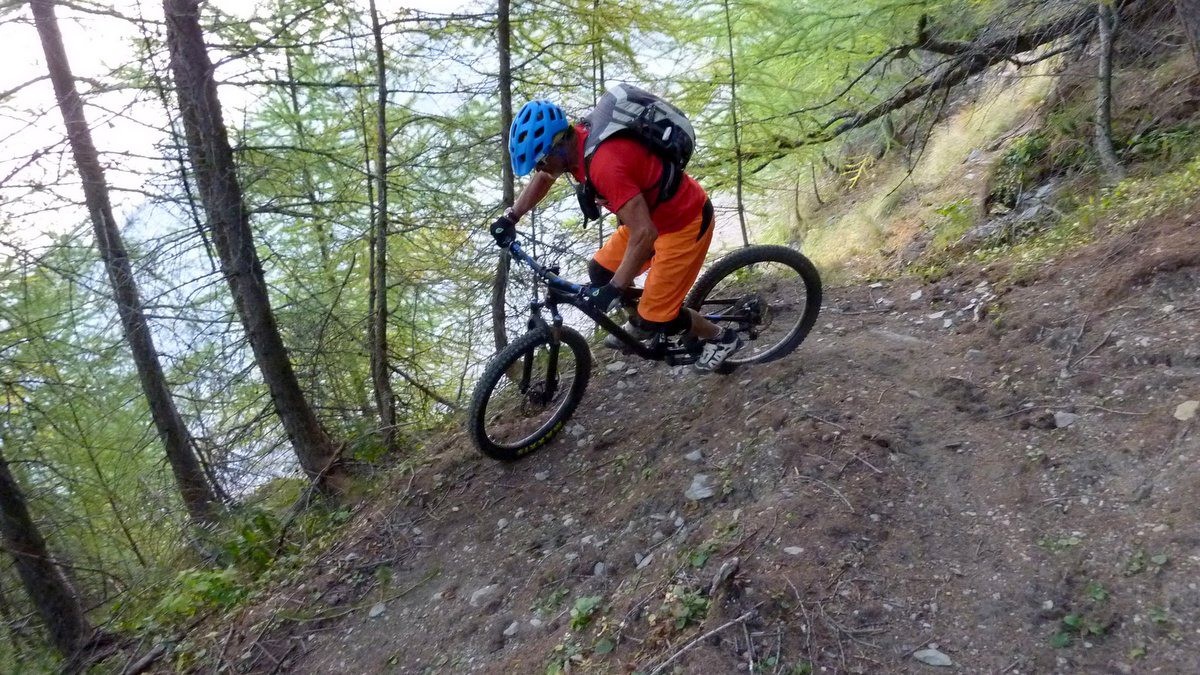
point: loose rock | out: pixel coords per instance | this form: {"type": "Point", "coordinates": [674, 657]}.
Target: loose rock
{"type": "Point", "coordinates": [1186, 410]}
{"type": "Point", "coordinates": [1064, 419]}
{"type": "Point", "coordinates": [481, 595]}
{"type": "Point", "coordinates": [933, 657]}
{"type": "Point", "coordinates": [615, 367]}
{"type": "Point", "coordinates": [376, 610]}
{"type": "Point", "coordinates": [700, 488]}
{"type": "Point", "coordinates": [694, 456]}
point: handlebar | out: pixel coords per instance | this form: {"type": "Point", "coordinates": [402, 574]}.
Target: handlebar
{"type": "Point", "coordinates": [555, 282]}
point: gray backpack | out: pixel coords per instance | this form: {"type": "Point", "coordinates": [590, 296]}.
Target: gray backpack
{"type": "Point", "coordinates": [625, 110]}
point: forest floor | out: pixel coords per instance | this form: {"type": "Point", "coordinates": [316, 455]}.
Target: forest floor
{"type": "Point", "coordinates": [998, 471]}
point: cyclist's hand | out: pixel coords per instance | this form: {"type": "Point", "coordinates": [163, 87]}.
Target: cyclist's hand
{"type": "Point", "coordinates": [504, 230]}
{"type": "Point", "coordinates": [604, 298]}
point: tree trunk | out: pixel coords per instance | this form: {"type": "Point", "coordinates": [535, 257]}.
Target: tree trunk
{"type": "Point", "coordinates": [597, 86]}
{"type": "Point", "coordinates": [48, 588]}
{"type": "Point", "coordinates": [500, 284]}
{"type": "Point", "coordinates": [737, 133]}
{"type": "Point", "coordinates": [221, 195]}
{"type": "Point", "coordinates": [385, 398]}
{"type": "Point", "coordinates": [197, 493]}
{"type": "Point", "coordinates": [1189, 16]}
{"type": "Point", "coordinates": [1106, 23]}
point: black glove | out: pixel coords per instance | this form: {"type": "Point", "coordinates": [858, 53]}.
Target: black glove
{"type": "Point", "coordinates": [504, 230]}
{"type": "Point", "coordinates": [604, 298]}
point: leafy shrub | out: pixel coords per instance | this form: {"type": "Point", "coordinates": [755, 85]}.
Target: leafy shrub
{"type": "Point", "coordinates": [954, 220]}
{"type": "Point", "coordinates": [581, 613]}
{"type": "Point", "coordinates": [196, 590]}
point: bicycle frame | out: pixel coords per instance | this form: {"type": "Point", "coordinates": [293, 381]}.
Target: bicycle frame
{"type": "Point", "coordinates": [673, 352]}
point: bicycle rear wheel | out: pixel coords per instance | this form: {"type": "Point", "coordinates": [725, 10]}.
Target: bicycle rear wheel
{"type": "Point", "coordinates": [771, 294]}
{"type": "Point", "coordinates": [528, 392]}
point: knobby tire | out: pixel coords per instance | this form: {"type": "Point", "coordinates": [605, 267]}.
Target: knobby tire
{"type": "Point", "coordinates": [510, 358]}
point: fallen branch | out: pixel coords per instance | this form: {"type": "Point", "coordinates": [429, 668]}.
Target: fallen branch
{"type": "Point", "coordinates": [143, 664]}
{"type": "Point", "coordinates": [693, 643]}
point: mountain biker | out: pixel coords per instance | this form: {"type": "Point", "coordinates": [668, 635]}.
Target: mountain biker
{"type": "Point", "coordinates": [670, 239]}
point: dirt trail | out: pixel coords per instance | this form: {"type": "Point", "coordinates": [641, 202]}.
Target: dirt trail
{"type": "Point", "coordinates": [994, 471]}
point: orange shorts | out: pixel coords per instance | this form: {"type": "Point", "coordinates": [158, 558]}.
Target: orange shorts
{"type": "Point", "coordinates": [678, 257]}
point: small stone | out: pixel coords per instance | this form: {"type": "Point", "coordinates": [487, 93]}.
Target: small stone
{"type": "Point", "coordinates": [877, 284]}
{"type": "Point", "coordinates": [600, 569]}
{"type": "Point", "coordinates": [916, 295]}
{"type": "Point", "coordinates": [502, 523]}
{"type": "Point", "coordinates": [679, 521]}
{"type": "Point", "coordinates": [946, 323]}
{"type": "Point", "coordinates": [376, 610]}
{"type": "Point", "coordinates": [694, 456]}
{"type": "Point", "coordinates": [542, 475]}
{"type": "Point", "coordinates": [536, 623]}
{"type": "Point", "coordinates": [933, 657]}
{"type": "Point", "coordinates": [793, 550]}
{"type": "Point", "coordinates": [512, 629]}
{"type": "Point", "coordinates": [936, 315]}
{"type": "Point", "coordinates": [479, 596]}
{"type": "Point", "coordinates": [1186, 410]}
{"type": "Point", "coordinates": [1064, 419]}
{"type": "Point", "coordinates": [571, 557]}
{"type": "Point", "coordinates": [1048, 605]}
{"type": "Point", "coordinates": [576, 430]}
{"type": "Point", "coordinates": [700, 488]}
{"type": "Point", "coordinates": [976, 355]}
{"type": "Point", "coordinates": [615, 367]}
{"type": "Point", "coordinates": [631, 371]}
{"type": "Point", "coordinates": [645, 561]}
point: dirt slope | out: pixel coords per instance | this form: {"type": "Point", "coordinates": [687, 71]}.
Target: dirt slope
{"type": "Point", "coordinates": [993, 470]}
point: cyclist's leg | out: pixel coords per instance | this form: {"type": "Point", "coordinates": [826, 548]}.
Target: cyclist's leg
{"type": "Point", "coordinates": [606, 261]}
{"type": "Point", "coordinates": [678, 258]}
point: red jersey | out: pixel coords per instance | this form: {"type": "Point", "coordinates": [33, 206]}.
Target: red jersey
{"type": "Point", "coordinates": [621, 168]}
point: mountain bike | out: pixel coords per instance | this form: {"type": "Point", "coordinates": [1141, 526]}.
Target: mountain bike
{"type": "Point", "coordinates": [529, 390]}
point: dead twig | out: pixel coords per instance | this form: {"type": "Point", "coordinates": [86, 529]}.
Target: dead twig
{"type": "Point", "coordinates": [1093, 349]}
{"type": "Point", "coordinates": [750, 656]}
{"type": "Point", "coordinates": [1075, 343]}
{"type": "Point", "coordinates": [745, 617]}
{"type": "Point", "coordinates": [765, 405]}
{"type": "Point", "coordinates": [869, 465]}
{"type": "Point", "coordinates": [827, 486]}
{"type": "Point", "coordinates": [832, 424]}
{"type": "Point", "coordinates": [1091, 406]}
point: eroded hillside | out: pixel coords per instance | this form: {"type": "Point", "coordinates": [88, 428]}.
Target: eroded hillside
{"type": "Point", "coordinates": [996, 470]}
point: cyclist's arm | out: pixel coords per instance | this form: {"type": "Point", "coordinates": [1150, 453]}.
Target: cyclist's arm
{"type": "Point", "coordinates": [636, 216]}
{"type": "Point", "coordinates": [533, 193]}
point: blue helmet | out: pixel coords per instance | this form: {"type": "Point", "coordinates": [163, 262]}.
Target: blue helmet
{"type": "Point", "coordinates": [532, 134]}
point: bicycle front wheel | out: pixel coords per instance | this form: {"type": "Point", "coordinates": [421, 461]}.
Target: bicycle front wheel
{"type": "Point", "coordinates": [528, 392]}
{"type": "Point", "coordinates": [771, 294]}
